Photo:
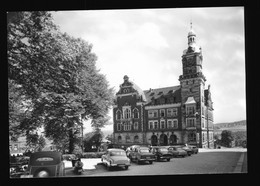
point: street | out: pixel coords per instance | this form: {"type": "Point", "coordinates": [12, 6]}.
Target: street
{"type": "Point", "coordinates": [211, 162]}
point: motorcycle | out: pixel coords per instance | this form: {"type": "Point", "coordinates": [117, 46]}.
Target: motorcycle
{"type": "Point", "coordinates": [78, 167]}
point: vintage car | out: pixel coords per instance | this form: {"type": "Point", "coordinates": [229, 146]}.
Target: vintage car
{"type": "Point", "coordinates": [141, 154]}
{"type": "Point", "coordinates": [69, 157]}
{"type": "Point", "coordinates": [45, 164]}
{"type": "Point", "coordinates": [130, 149]}
{"type": "Point", "coordinates": [194, 149]}
{"type": "Point", "coordinates": [161, 153]}
{"type": "Point", "coordinates": [187, 149]}
{"type": "Point", "coordinates": [177, 151]}
{"type": "Point", "coordinates": [115, 158]}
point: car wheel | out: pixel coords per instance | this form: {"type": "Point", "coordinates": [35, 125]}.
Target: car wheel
{"type": "Point", "coordinates": [168, 159]}
{"type": "Point", "coordinates": [151, 162]}
{"type": "Point", "coordinates": [126, 167]}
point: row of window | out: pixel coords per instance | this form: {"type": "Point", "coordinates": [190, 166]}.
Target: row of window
{"type": "Point", "coordinates": [161, 101]}
{"type": "Point", "coordinates": [171, 124]}
{"type": "Point", "coordinates": [170, 112]}
{"type": "Point", "coordinates": [127, 113]}
{"type": "Point", "coordinates": [128, 139]}
{"type": "Point", "coordinates": [192, 137]}
{"type": "Point", "coordinates": [127, 126]}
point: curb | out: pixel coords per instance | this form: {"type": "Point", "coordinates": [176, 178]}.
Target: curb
{"type": "Point", "coordinates": [238, 168]}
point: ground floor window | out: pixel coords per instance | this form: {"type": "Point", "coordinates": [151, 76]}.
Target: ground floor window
{"type": "Point", "coordinates": [127, 139]}
{"type": "Point", "coordinates": [135, 125]}
{"type": "Point", "coordinates": [192, 137]}
{"type": "Point", "coordinates": [154, 140]}
{"type": "Point", "coordinates": [173, 139]}
{"type": "Point", "coordinates": [136, 139]}
{"type": "Point", "coordinates": [119, 139]}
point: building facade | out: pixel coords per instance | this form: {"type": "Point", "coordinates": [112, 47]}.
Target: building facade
{"type": "Point", "coordinates": [181, 114]}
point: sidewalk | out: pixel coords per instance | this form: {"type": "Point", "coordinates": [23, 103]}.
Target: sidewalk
{"type": "Point", "coordinates": [223, 149]}
{"type": "Point", "coordinates": [88, 163]}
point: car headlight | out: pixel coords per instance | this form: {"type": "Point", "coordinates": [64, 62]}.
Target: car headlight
{"type": "Point", "coordinates": [42, 174]}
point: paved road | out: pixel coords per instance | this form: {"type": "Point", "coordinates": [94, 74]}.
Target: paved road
{"type": "Point", "coordinates": [206, 162]}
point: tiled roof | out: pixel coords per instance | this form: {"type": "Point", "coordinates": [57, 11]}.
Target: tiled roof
{"type": "Point", "coordinates": [159, 92]}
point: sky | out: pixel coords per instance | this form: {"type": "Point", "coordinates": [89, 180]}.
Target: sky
{"type": "Point", "coordinates": [147, 45]}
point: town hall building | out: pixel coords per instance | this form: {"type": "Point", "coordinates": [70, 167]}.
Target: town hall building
{"type": "Point", "coordinates": [181, 114]}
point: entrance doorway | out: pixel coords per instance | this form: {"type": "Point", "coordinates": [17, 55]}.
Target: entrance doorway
{"type": "Point", "coordinates": [173, 139]}
{"type": "Point", "coordinates": [163, 140]}
{"type": "Point", "coordinates": [154, 140]}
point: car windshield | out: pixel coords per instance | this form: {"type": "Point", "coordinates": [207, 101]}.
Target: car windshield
{"type": "Point", "coordinates": [163, 150]}
{"type": "Point", "coordinates": [117, 153]}
{"type": "Point", "coordinates": [144, 150]}
{"type": "Point", "coordinates": [44, 159]}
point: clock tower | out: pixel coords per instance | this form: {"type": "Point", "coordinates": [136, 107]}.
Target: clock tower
{"type": "Point", "coordinates": [192, 83]}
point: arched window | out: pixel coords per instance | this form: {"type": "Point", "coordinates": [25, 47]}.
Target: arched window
{"type": "Point", "coordinates": [136, 139]}
{"type": "Point", "coordinates": [127, 139]}
{"type": "Point", "coordinates": [136, 113]}
{"type": "Point", "coordinates": [127, 113]}
{"type": "Point", "coordinates": [119, 139]}
{"type": "Point", "coordinates": [173, 139]}
{"type": "Point", "coordinates": [118, 114]}
{"type": "Point", "coordinates": [154, 140]}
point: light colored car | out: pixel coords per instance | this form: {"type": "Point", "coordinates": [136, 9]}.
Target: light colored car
{"type": "Point", "coordinates": [45, 164]}
{"type": "Point", "coordinates": [115, 158]}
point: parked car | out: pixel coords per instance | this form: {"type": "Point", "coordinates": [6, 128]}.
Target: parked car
{"type": "Point", "coordinates": [130, 149]}
{"type": "Point", "coordinates": [69, 157]}
{"type": "Point", "coordinates": [194, 149]}
{"type": "Point", "coordinates": [177, 151]}
{"type": "Point", "coordinates": [115, 158]}
{"type": "Point", "coordinates": [161, 153]}
{"type": "Point", "coordinates": [186, 148]}
{"type": "Point", "coordinates": [141, 154]}
{"type": "Point", "coordinates": [45, 164]}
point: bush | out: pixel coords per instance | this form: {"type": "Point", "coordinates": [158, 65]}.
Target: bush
{"type": "Point", "coordinates": [92, 154]}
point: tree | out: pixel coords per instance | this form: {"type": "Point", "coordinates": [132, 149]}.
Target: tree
{"type": "Point", "coordinates": [56, 75]}
{"type": "Point", "coordinates": [226, 138]}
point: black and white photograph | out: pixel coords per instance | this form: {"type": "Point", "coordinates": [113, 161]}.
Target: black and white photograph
{"type": "Point", "coordinates": [127, 92]}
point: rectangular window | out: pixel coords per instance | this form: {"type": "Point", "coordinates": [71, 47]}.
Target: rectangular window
{"type": "Point", "coordinates": [175, 113]}
{"type": "Point", "coordinates": [162, 113]}
{"type": "Point", "coordinates": [150, 125]}
{"type": "Point", "coordinates": [155, 125]}
{"type": "Point", "coordinates": [135, 125]}
{"type": "Point", "coordinates": [190, 122]}
{"type": "Point", "coordinates": [169, 112]}
{"type": "Point", "coordinates": [152, 113]}
{"type": "Point", "coordinates": [202, 123]}
{"type": "Point", "coordinates": [119, 126]}
{"type": "Point", "coordinates": [169, 124]}
{"type": "Point", "coordinates": [162, 124]}
{"type": "Point", "coordinates": [175, 123]}
{"type": "Point", "coordinates": [190, 110]}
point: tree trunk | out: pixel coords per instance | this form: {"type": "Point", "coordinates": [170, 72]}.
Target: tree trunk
{"type": "Point", "coordinates": [71, 137]}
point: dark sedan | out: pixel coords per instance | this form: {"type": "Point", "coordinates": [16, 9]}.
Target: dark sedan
{"type": "Point", "coordinates": [161, 153]}
{"type": "Point", "coordinates": [45, 164]}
